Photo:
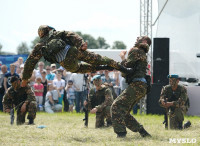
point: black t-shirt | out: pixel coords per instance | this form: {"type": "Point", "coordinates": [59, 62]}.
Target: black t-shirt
{"type": "Point", "coordinates": [8, 76]}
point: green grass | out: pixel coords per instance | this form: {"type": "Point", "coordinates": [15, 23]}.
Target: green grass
{"type": "Point", "coordinates": [68, 129]}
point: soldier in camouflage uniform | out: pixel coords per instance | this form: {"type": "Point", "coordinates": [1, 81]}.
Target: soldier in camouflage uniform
{"type": "Point", "coordinates": [137, 87]}
{"type": "Point", "coordinates": [99, 102]}
{"type": "Point", "coordinates": [67, 49]}
{"type": "Point", "coordinates": [174, 98]}
{"type": "Point", "coordinates": [23, 99]}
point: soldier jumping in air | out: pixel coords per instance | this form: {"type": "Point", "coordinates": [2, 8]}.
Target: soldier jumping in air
{"type": "Point", "coordinates": [67, 49]}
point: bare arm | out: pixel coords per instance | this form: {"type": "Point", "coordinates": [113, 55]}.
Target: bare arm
{"type": "Point", "coordinates": [5, 83]}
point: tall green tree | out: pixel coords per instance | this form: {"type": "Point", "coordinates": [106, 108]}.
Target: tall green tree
{"type": "Point", "coordinates": [118, 45]}
{"type": "Point", "coordinates": [23, 48]}
{"type": "Point", "coordinates": [92, 43]}
{"type": "Point", "coordinates": [102, 43]}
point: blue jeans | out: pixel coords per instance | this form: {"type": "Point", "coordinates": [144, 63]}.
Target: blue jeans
{"type": "Point", "coordinates": [1, 104]}
{"type": "Point", "coordinates": [60, 99]}
{"type": "Point", "coordinates": [71, 101]}
{"type": "Point", "coordinates": [135, 108]}
{"type": "Point", "coordinates": [79, 100]}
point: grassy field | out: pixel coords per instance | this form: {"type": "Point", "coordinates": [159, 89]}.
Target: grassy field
{"type": "Point", "coordinates": [68, 129]}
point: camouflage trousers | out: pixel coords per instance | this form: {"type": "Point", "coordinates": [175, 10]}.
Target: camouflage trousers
{"type": "Point", "coordinates": [31, 109]}
{"type": "Point", "coordinates": [100, 116]}
{"type": "Point", "coordinates": [74, 56]}
{"type": "Point", "coordinates": [176, 118]}
{"type": "Point", "coordinates": [122, 106]}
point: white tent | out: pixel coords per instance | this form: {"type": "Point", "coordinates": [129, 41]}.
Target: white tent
{"type": "Point", "coordinates": [180, 21]}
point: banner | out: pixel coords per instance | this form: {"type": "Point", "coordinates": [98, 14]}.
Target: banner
{"type": "Point", "coordinates": [9, 59]}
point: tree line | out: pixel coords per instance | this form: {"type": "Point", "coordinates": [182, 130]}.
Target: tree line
{"type": "Point", "coordinates": [99, 43]}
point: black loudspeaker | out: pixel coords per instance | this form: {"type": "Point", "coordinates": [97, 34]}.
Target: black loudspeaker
{"type": "Point", "coordinates": [153, 97]}
{"type": "Point", "coordinates": [160, 60]}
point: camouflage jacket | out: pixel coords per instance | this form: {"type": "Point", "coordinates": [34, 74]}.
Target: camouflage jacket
{"type": "Point", "coordinates": [173, 96]}
{"type": "Point", "coordinates": [137, 59]}
{"type": "Point", "coordinates": [100, 98]}
{"type": "Point", "coordinates": [15, 98]}
{"type": "Point", "coordinates": [48, 46]}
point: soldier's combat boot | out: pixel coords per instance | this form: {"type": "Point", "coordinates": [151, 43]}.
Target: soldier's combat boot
{"type": "Point", "coordinates": [180, 125]}
{"type": "Point", "coordinates": [31, 122]}
{"type": "Point", "coordinates": [144, 133]}
{"type": "Point", "coordinates": [104, 67]}
{"type": "Point", "coordinates": [121, 134]}
{"type": "Point", "coordinates": [187, 124]}
{"type": "Point", "coordinates": [109, 123]}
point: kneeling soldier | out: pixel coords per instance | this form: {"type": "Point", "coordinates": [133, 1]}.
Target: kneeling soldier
{"type": "Point", "coordinates": [99, 102]}
{"type": "Point", "coordinates": [23, 100]}
{"type": "Point", "coordinates": [174, 98]}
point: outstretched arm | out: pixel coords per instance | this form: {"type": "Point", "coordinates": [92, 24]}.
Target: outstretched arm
{"type": "Point", "coordinates": [30, 63]}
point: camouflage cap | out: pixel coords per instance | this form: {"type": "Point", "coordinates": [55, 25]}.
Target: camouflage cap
{"type": "Point", "coordinates": [173, 76]}
{"type": "Point", "coordinates": [96, 77]}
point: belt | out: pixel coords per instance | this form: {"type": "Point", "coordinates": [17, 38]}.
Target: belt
{"type": "Point", "coordinates": [139, 79]}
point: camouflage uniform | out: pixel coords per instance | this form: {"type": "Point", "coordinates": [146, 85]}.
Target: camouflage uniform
{"type": "Point", "coordinates": [101, 99]}
{"type": "Point", "coordinates": [17, 98]}
{"type": "Point", "coordinates": [177, 110]}
{"type": "Point", "coordinates": [123, 104]}
{"type": "Point", "coordinates": [54, 43]}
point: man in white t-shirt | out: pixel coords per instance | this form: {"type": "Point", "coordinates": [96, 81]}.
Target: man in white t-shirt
{"type": "Point", "coordinates": [60, 85]}
{"type": "Point", "coordinates": [79, 82]}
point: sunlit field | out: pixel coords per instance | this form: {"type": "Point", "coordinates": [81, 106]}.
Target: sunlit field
{"type": "Point", "coordinates": [68, 129]}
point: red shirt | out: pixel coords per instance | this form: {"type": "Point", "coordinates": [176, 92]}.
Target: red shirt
{"type": "Point", "coordinates": [38, 87]}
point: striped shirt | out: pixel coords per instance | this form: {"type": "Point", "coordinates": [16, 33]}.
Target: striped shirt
{"type": "Point", "coordinates": [60, 56]}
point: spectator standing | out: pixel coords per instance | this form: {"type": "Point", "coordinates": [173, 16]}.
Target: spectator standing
{"type": "Point", "coordinates": [40, 69]}
{"type": "Point", "coordinates": [106, 78]}
{"type": "Point", "coordinates": [38, 90]}
{"type": "Point", "coordinates": [49, 76]}
{"type": "Point", "coordinates": [52, 96]}
{"type": "Point", "coordinates": [53, 67]}
{"type": "Point", "coordinates": [65, 77]}
{"type": "Point", "coordinates": [21, 70]}
{"type": "Point", "coordinates": [18, 63]}
{"type": "Point", "coordinates": [44, 83]}
{"type": "Point", "coordinates": [70, 90]}
{"type": "Point", "coordinates": [8, 76]}
{"type": "Point", "coordinates": [90, 76]}
{"type": "Point", "coordinates": [79, 82]}
{"type": "Point", "coordinates": [60, 85]}
{"type": "Point", "coordinates": [2, 90]}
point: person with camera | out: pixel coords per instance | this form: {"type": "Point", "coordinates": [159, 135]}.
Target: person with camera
{"type": "Point", "coordinates": [51, 104]}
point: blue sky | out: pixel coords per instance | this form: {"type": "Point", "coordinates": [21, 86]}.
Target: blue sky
{"type": "Point", "coordinates": [111, 19]}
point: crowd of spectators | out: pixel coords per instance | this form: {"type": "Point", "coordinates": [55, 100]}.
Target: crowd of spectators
{"type": "Point", "coordinates": [58, 90]}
